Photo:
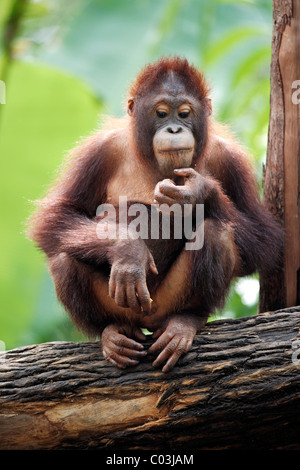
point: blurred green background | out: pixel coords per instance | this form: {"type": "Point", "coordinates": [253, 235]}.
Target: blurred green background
{"type": "Point", "coordinates": [64, 65]}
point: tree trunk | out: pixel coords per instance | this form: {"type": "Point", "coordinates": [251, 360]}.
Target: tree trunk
{"type": "Point", "coordinates": [238, 388]}
{"type": "Point", "coordinates": [282, 176]}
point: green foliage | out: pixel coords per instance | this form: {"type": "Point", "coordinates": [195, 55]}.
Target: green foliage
{"type": "Point", "coordinates": [45, 114]}
{"type": "Point", "coordinates": [74, 60]}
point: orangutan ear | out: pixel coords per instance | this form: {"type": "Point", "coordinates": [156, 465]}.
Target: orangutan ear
{"type": "Point", "coordinates": [130, 105]}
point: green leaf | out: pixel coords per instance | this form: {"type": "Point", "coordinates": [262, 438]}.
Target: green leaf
{"type": "Point", "coordinates": [249, 65]}
{"type": "Point", "coordinates": [5, 9]}
{"type": "Point", "coordinates": [37, 9]}
{"type": "Point", "coordinates": [169, 16]}
{"type": "Point", "coordinates": [227, 43]}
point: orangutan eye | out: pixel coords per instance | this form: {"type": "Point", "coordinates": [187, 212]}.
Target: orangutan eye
{"type": "Point", "coordinates": [184, 114]}
{"type": "Point", "coordinates": [161, 114]}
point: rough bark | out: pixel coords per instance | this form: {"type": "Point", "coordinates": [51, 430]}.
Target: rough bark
{"type": "Point", "coordinates": [238, 388]}
{"type": "Point", "coordinates": [282, 175]}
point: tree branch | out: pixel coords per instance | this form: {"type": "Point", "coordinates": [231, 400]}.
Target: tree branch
{"type": "Point", "coordinates": [238, 388]}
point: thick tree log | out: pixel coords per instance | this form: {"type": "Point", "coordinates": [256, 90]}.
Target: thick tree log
{"type": "Point", "coordinates": [238, 388]}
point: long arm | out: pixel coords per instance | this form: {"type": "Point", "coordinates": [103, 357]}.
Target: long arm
{"type": "Point", "coordinates": [258, 235]}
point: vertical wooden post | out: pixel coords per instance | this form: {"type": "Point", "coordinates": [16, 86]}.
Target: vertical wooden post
{"type": "Point", "coordinates": [289, 61]}
{"type": "Point", "coordinates": [282, 176]}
